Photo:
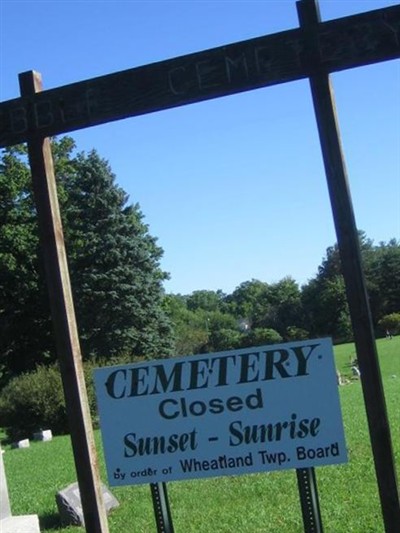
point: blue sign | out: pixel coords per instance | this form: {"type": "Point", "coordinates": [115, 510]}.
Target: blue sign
{"type": "Point", "coordinates": [250, 410]}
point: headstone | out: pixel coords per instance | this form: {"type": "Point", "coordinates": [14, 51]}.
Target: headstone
{"type": "Point", "coordinates": [21, 444]}
{"type": "Point", "coordinates": [13, 524]}
{"type": "Point", "coordinates": [70, 506]}
{"type": "Point", "coordinates": [44, 435]}
{"type": "Point", "coordinates": [20, 524]}
{"type": "Point", "coordinates": [5, 509]}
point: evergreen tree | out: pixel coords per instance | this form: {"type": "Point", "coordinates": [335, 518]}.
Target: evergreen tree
{"type": "Point", "coordinates": [382, 270]}
{"type": "Point", "coordinates": [114, 264]}
{"type": "Point", "coordinates": [113, 259]}
{"type": "Point", "coordinates": [324, 297]}
{"type": "Point", "coordinates": [25, 326]}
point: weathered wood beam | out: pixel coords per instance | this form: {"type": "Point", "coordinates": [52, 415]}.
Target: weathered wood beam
{"type": "Point", "coordinates": [63, 316]}
{"type": "Point", "coordinates": [281, 57]}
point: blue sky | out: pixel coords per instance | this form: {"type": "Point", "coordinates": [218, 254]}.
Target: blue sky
{"type": "Point", "coordinates": [234, 188]}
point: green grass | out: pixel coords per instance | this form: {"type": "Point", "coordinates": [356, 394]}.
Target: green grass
{"type": "Point", "coordinates": [249, 504]}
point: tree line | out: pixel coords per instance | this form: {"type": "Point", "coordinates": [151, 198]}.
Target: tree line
{"type": "Point", "coordinates": [260, 313]}
{"type": "Point", "coordinates": [122, 310]}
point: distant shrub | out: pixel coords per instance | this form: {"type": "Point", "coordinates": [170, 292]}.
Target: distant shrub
{"type": "Point", "coordinates": [294, 333]}
{"type": "Point", "coordinates": [224, 339]}
{"type": "Point", "coordinates": [390, 323]}
{"type": "Point", "coordinates": [259, 336]}
{"type": "Point", "coordinates": [35, 401]}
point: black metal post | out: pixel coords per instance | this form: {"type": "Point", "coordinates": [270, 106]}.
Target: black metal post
{"type": "Point", "coordinates": [162, 511]}
{"type": "Point", "coordinates": [307, 483]}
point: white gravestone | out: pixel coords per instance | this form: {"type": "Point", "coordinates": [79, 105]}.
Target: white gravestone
{"type": "Point", "coordinates": [44, 435]}
{"type": "Point", "coordinates": [8, 523]}
{"type": "Point", "coordinates": [5, 510]}
{"type": "Point", "coordinates": [21, 444]}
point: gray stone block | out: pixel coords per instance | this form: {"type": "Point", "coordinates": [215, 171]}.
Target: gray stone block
{"type": "Point", "coordinates": [70, 506]}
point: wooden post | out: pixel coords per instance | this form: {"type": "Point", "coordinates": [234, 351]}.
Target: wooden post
{"type": "Point", "coordinates": [350, 255]}
{"type": "Point", "coordinates": [63, 315]}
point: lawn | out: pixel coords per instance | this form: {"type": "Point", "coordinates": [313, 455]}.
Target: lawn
{"type": "Point", "coordinates": [250, 504]}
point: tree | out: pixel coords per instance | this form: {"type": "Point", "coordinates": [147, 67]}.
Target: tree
{"type": "Point", "coordinates": [198, 328]}
{"type": "Point", "coordinates": [258, 313]}
{"type": "Point", "coordinates": [206, 300]}
{"type": "Point", "coordinates": [326, 309]}
{"type": "Point", "coordinates": [114, 265]}
{"type": "Point", "coordinates": [25, 327]}
{"type": "Point", "coordinates": [331, 265]}
{"type": "Point", "coordinates": [223, 331]}
{"type": "Point", "coordinates": [260, 336]}
{"type": "Point", "coordinates": [190, 327]}
{"type": "Point", "coordinates": [390, 323]}
{"type": "Point", "coordinates": [285, 306]}
{"type": "Point", "coordinates": [382, 269]}
{"type": "Point", "coordinates": [294, 333]}
{"type": "Point", "coordinates": [225, 339]}
{"type": "Point", "coordinates": [250, 301]}
{"type": "Point", "coordinates": [324, 297]}
{"type": "Point", "coordinates": [268, 306]}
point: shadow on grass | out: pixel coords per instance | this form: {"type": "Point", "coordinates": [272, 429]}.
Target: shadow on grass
{"type": "Point", "coordinates": [50, 521]}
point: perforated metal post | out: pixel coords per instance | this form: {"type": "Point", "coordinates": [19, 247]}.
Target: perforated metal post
{"type": "Point", "coordinates": [161, 508]}
{"type": "Point", "coordinates": [309, 501]}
